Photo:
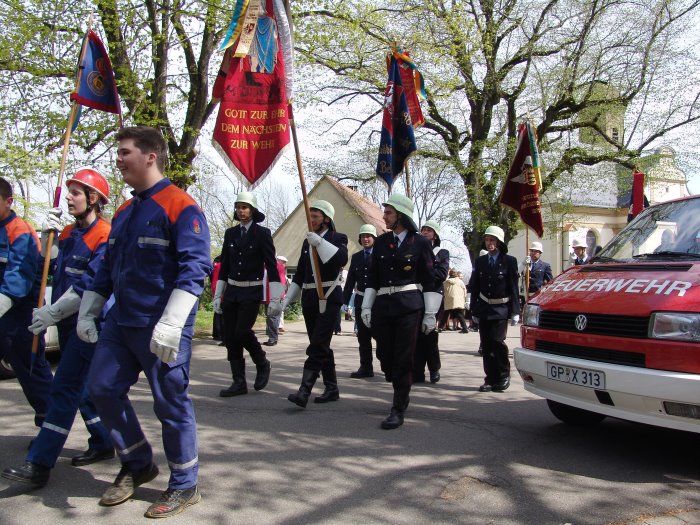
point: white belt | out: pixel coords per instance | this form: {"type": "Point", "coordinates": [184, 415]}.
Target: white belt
{"type": "Point", "coordinates": [502, 300]}
{"type": "Point", "coordinates": [244, 284]}
{"type": "Point", "coordinates": [312, 286]}
{"type": "Point", "coordinates": [384, 290]}
{"type": "Point", "coordinates": [358, 292]}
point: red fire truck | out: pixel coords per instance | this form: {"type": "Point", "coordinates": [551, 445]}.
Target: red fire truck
{"type": "Point", "coordinates": [620, 337]}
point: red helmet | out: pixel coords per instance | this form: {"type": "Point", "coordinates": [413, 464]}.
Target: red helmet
{"type": "Point", "coordinates": [92, 179]}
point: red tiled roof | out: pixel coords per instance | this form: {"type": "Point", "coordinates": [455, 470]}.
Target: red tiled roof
{"type": "Point", "coordinates": [370, 212]}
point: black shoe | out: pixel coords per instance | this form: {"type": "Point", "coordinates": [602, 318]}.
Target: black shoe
{"type": "Point", "coordinates": [501, 386]}
{"type": "Point", "coordinates": [361, 373]}
{"type": "Point", "coordinates": [125, 484]}
{"type": "Point", "coordinates": [331, 393]}
{"type": "Point", "coordinates": [92, 456]}
{"type": "Point", "coordinates": [308, 379]}
{"type": "Point", "coordinates": [269, 343]}
{"type": "Point", "coordinates": [394, 420]}
{"type": "Point", "coordinates": [420, 379]}
{"type": "Point", "coordinates": [173, 501]}
{"type": "Point", "coordinates": [485, 388]}
{"type": "Point", "coordinates": [480, 351]}
{"type": "Point", "coordinates": [434, 377]}
{"type": "Point", "coordinates": [262, 376]}
{"type": "Point", "coordinates": [239, 386]}
{"type": "Point", "coordinates": [28, 473]}
{"type": "Point", "coordinates": [221, 344]}
{"type": "Point", "coordinates": [464, 331]}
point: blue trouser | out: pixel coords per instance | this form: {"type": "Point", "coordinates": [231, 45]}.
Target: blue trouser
{"type": "Point", "coordinates": [16, 347]}
{"type": "Point", "coordinates": [68, 394]}
{"type": "Point", "coordinates": [121, 353]}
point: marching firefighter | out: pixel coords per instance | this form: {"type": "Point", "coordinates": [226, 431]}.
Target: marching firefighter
{"type": "Point", "coordinates": [494, 300]}
{"type": "Point", "coordinates": [319, 314]}
{"type": "Point", "coordinates": [356, 282]}
{"type": "Point", "coordinates": [81, 247]}
{"type": "Point", "coordinates": [427, 351]}
{"type": "Point", "coordinates": [394, 306]}
{"type": "Point", "coordinates": [156, 263]}
{"type": "Point", "coordinates": [20, 281]}
{"type": "Point", "coordinates": [248, 250]}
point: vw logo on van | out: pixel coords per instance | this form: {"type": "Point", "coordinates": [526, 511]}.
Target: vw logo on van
{"type": "Point", "coordinates": [580, 322]}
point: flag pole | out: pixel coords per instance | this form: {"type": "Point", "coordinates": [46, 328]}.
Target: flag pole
{"type": "Point", "coordinates": [408, 180]}
{"type": "Point", "coordinates": [57, 193]}
{"type": "Point", "coordinates": [300, 168]}
{"type": "Point", "coordinates": [527, 266]}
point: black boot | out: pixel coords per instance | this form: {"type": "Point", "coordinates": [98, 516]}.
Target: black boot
{"type": "Point", "coordinates": [331, 392]}
{"type": "Point", "coordinates": [399, 406]}
{"type": "Point", "coordinates": [28, 473]}
{"type": "Point", "coordinates": [239, 386]}
{"type": "Point", "coordinates": [263, 375]}
{"type": "Point", "coordinates": [301, 398]}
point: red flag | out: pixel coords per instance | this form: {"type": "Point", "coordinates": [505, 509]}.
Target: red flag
{"type": "Point", "coordinates": [252, 127]}
{"type": "Point", "coordinates": [521, 191]}
{"type": "Point", "coordinates": [637, 193]}
{"type": "Point", "coordinates": [412, 82]}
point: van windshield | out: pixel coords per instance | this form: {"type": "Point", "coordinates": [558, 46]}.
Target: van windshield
{"type": "Point", "coordinates": [662, 232]}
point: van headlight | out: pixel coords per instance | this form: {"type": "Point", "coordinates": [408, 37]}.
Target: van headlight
{"type": "Point", "coordinates": [679, 326]}
{"type": "Point", "coordinates": [531, 315]}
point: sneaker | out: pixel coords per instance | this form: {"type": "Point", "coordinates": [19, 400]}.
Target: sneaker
{"type": "Point", "coordinates": [125, 484]}
{"type": "Point", "coordinates": [173, 501]}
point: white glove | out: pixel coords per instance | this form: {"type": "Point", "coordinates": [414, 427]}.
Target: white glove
{"type": "Point", "coordinates": [293, 294]}
{"type": "Point", "coordinates": [165, 341]}
{"type": "Point", "coordinates": [432, 301]}
{"type": "Point", "coordinates": [313, 239]}
{"type": "Point", "coordinates": [50, 314]}
{"type": "Point", "coordinates": [5, 304]}
{"type": "Point", "coordinates": [276, 291]}
{"type": "Point", "coordinates": [514, 320]}
{"type": "Point", "coordinates": [367, 303]}
{"type": "Point", "coordinates": [325, 249]}
{"type": "Point", "coordinates": [527, 260]}
{"type": "Point", "coordinates": [52, 221]}
{"type": "Point", "coordinates": [218, 294]}
{"type": "Point", "coordinates": [90, 308]}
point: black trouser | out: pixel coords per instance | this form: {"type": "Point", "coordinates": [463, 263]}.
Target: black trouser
{"type": "Point", "coordinates": [459, 314]}
{"type": "Point", "coordinates": [492, 333]}
{"type": "Point", "coordinates": [239, 319]}
{"type": "Point", "coordinates": [217, 332]}
{"type": "Point", "coordinates": [319, 327]}
{"type": "Point", "coordinates": [427, 352]}
{"type": "Point", "coordinates": [364, 338]}
{"type": "Point", "coordinates": [396, 343]}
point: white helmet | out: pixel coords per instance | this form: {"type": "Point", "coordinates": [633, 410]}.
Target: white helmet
{"type": "Point", "coordinates": [536, 245]}
{"type": "Point", "coordinates": [495, 231]}
{"type": "Point", "coordinates": [578, 243]}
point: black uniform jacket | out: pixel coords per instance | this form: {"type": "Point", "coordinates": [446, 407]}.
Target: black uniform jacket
{"type": "Point", "coordinates": [540, 272]}
{"type": "Point", "coordinates": [329, 270]}
{"type": "Point", "coordinates": [411, 263]}
{"type": "Point", "coordinates": [441, 266]}
{"type": "Point", "coordinates": [357, 278]}
{"type": "Point", "coordinates": [245, 260]}
{"type": "Point", "coordinates": [497, 282]}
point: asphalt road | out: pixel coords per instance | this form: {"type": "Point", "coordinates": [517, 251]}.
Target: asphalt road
{"type": "Point", "coordinates": [461, 456]}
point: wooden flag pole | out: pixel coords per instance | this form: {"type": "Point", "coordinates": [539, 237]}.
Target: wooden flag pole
{"type": "Point", "coordinates": [527, 266]}
{"type": "Point", "coordinates": [300, 168]}
{"type": "Point", "coordinates": [57, 193]}
{"type": "Point", "coordinates": [408, 180]}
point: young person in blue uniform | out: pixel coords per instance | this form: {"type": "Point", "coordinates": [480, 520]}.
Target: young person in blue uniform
{"type": "Point", "coordinates": [319, 315]}
{"type": "Point", "coordinates": [427, 351]}
{"type": "Point", "coordinates": [20, 280]}
{"type": "Point", "coordinates": [155, 265]}
{"type": "Point", "coordinates": [81, 247]}
{"type": "Point", "coordinates": [356, 282]}
{"type": "Point", "coordinates": [494, 300]}
{"type": "Point", "coordinates": [400, 299]}
{"type": "Point", "coordinates": [247, 252]}
{"type": "Point", "coordinates": [540, 271]}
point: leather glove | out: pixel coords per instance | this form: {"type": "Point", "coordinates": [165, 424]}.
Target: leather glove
{"type": "Point", "coordinates": [90, 308]}
{"type": "Point", "coordinates": [276, 291]}
{"type": "Point", "coordinates": [432, 301]}
{"type": "Point", "coordinates": [218, 294]}
{"type": "Point", "coordinates": [293, 294]}
{"type": "Point", "coordinates": [5, 304]}
{"type": "Point", "coordinates": [165, 341]}
{"type": "Point", "coordinates": [313, 239]}
{"type": "Point", "coordinates": [514, 320]}
{"type": "Point", "coordinates": [367, 303]}
{"type": "Point", "coordinates": [50, 314]}
{"type": "Point", "coordinates": [52, 221]}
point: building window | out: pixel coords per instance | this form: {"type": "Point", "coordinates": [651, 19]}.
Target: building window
{"type": "Point", "coordinates": [591, 243]}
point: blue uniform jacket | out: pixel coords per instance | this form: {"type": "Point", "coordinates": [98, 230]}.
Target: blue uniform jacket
{"type": "Point", "coordinates": [329, 270]}
{"type": "Point", "coordinates": [540, 274]}
{"type": "Point", "coordinates": [497, 282]}
{"type": "Point", "coordinates": [244, 259]}
{"type": "Point", "coordinates": [20, 275]}
{"type": "Point", "coordinates": [80, 253]}
{"type": "Point", "coordinates": [411, 263]}
{"type": "Point", "coordinates": [441, 268]}
{"type": "Point", "coordinates": [357, 278]}
{"type": "Point", "coordinates": [159, 241]}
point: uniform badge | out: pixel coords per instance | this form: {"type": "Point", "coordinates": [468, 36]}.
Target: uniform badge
{"type": "Point", "coordinates": [196, 227]}
{"type": "Point", "coordinates": [407, 268]}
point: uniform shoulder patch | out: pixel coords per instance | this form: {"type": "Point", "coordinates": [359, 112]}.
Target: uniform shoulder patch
{"type": "Point", "coordinates": [196, 226]}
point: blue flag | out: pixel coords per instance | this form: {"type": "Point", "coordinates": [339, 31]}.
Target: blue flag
{"type": "Point", "coordinates": [97, 87]}
{"type": "Point", "coordinates": [397, 142]}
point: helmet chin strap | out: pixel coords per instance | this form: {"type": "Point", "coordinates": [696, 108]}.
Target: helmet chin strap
{"type": "Point", "coordinates": [88, 208]}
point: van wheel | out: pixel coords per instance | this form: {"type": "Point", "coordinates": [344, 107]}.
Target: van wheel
{"type": "Point", "coordinates": [574, 416]}
{"type": "Point", "coordinates": [6, 371]}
